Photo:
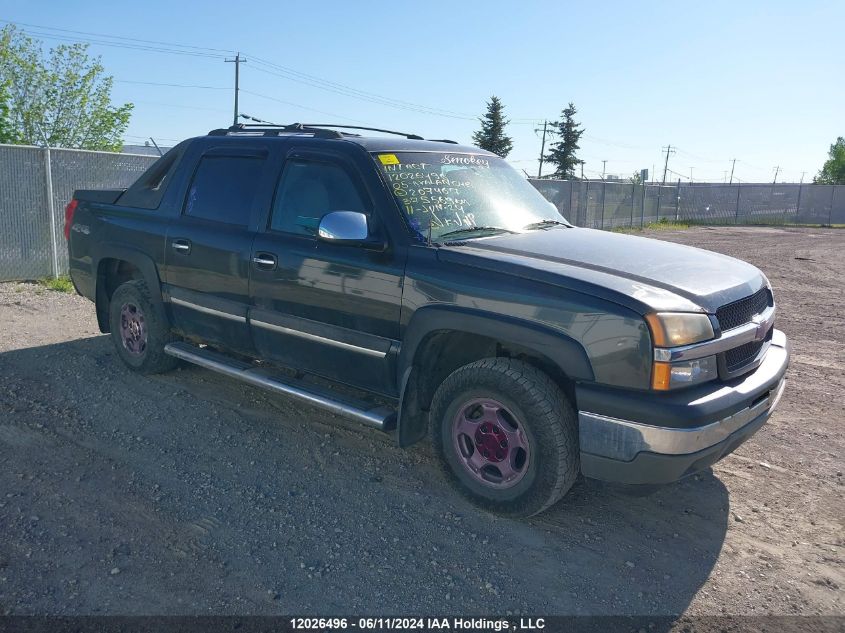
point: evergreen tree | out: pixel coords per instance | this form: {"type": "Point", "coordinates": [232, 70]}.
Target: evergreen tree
{"type": "Point", "coordinates": [491, 136]}
{"type": "Point", "coordinates": [64, 96]}
{"type": "Point", "coordinates": [833, 171]}
{"type": "Point", "coordinates": [562, 154]}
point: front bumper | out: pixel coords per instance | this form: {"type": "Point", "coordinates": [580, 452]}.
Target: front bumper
{"type": "Point", "coordinates": [668, 436]}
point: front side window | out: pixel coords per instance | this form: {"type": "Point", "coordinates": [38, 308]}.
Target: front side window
{"type": "Point", "coordinates": [224, 188]}
{"type": "Point", "coordinates": [466, 195]}
{"type": "Point", "coordinates": [307, 191]}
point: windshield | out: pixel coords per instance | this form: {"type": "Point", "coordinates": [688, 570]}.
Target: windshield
{"type": "Point", "coordinates": [461, 196]}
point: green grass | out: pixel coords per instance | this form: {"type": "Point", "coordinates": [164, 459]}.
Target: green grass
{"type": "Point", "coordinates": [62, 284]}
{"type": "Point", "coordinates": [661, 225]}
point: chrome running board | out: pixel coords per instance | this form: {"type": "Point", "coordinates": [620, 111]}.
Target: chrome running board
{"type": "Point", "coordinates": [380, 417]}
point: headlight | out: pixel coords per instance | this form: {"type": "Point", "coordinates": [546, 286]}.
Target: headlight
{"type": "Point", "coordinates": [674, 329]}
{"type": "Point", "coordinates": [665, 376]}
{"type": "Point", "coordinates": [670, 329]}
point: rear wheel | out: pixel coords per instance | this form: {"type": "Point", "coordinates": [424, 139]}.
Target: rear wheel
{"type": "Point", "coordinates": [506, 435]}
{"type": "Point", "coordinates": [139, 334]}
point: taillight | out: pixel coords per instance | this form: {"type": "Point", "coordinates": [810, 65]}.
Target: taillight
{"type": "Point", "coordinates": [69, 210]}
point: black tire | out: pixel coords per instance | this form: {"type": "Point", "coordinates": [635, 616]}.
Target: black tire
{"type": "Point", "coordinates": [547, 419]}
{"type": "Point", "coordinates": [149, 357]}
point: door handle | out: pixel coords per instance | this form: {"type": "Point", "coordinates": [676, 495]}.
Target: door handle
{"type": "Point", "coordinates": [181, 246]}
{"type": "Point", "coordinates": [265, 261]}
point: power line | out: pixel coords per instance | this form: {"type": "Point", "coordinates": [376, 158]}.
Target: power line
{"type": "Point", "coordinates": [271, 68]}
{"type": "Point", "coordinates": [168, 85]}
{"type": "Point", "coordinates": [121, 37]}
{"type": "Point", "coordinates": [138, 47]}
{"type": "Point", "coordinates": [176, 105]}
{"type": "Point", "coordinates": [374, 99]}
{"type": "Point", "coordinates": [295, 75]}
{"type": "Point", "coordinates": [297, 105]}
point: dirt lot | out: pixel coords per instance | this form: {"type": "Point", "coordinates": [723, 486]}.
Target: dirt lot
{"type": "Point", "coordinates": [187, 493]}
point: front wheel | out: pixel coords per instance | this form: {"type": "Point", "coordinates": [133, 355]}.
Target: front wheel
{"type": "Point", "coordinates": [506, 435]}
{"type": "Point", "coordinates": [139, 334]}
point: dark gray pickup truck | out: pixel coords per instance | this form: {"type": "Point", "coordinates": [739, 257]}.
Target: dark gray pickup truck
{"type": "Point", "coordinates": [426, 287]}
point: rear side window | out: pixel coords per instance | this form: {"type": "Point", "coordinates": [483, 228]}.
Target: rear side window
{"type": "Point", "coordinates": [224, 188]}
{"type": "Point", "coordinates": [307, 191]}
{"type": "Point", "coordinates": [148, 190]}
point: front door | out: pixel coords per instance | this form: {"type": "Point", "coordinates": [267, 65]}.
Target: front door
{"type": "Point", "coordinates": [326, 308]}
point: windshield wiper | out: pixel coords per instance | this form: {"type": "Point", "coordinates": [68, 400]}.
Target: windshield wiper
{"type": "Point", "coordinates": [543, 224]}
{"type": "Point", "coordinates": [474, 229]}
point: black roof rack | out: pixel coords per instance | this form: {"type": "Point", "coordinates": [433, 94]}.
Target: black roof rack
{"type": "Point", "coordinates": [413, 137]}
{"type": "Point", "coordinates": [275, 130]}
{"type": "Point", "coordinates": [319, 130]}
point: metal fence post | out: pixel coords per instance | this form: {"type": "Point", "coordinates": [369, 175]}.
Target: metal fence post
{"type": "Point", "coordinates": [830, 213]}
{"type": "Point", "coordinates": [48, 177]}
{"type": "Point", "coordinates": [678, 201]}
{"type": "Point", "coordinates": [586, 193]}
{"type": "Point", "coordinates": [657, 211]}
{"type": "Point", "coordinates": [642, 207]}
{"type": "Point", "coordinates": [738, 189]}
{"type": "Point", "coordinates": [633, 196]}
{"type": "Point", "coordinates": [603, 194]}
{"type": "Point", "coordinates": [797, 205]}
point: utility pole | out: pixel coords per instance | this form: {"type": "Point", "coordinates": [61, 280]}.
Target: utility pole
{"type": "Point", "coordinates": [582, 170]}
{"type": "Point", "coordinates": [603, 168]}
{"type": "Point", "coordinates": [802, 177]}
{"type": "Point", "coordinates": [237, 61]}
{"type": "Point", "coordinates": [733, 164]}
{"type": "Point", "coordinates": [158, 149]}
{"type": "Point", "coordinates": [690, 175]}
{"type": "Point", "coordinates": [777, 169]}
{"type": "Point", "coordinates": [542, 149]}
{"type": "Point", "coordinates": [668, 150]}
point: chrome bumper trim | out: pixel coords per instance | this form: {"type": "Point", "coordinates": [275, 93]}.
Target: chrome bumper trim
{"type": "Point", "coordinates": [623, 439]}
{"type": "Point", "coordinates": [752, 331]}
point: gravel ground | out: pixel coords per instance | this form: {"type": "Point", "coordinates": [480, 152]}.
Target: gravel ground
{"type": "Point", "coordinates": [188, 493]}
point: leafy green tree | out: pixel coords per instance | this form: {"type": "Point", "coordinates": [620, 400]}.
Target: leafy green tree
{"type": "Point", "coordinates": [492, 135]}
{"type": "Point", "coordinates": [562, 154]}
{"type": "Point", "coordinates": [636, 178]}
{"type": "Point", "coordinates": [63, 98]}
{"type": "Point", "coordinates": [833, 171]}
{"type": "Point", "coordinates": [6, 135]}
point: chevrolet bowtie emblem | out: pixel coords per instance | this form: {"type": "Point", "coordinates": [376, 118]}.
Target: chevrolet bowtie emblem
{"type": "Point", "coordinates": [760, 322]}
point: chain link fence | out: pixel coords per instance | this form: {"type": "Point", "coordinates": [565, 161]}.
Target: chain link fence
{"type": "Point", "coordinates": [607, 205]}
{"type": "Point", "coordinates": [35, 181]}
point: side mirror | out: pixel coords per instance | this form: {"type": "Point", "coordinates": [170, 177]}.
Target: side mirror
{"type": "Point", "coordinates": [346, 227]}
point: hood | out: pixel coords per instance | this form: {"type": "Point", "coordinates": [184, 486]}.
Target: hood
{"type": "Point", "coordinates": [656, 275]}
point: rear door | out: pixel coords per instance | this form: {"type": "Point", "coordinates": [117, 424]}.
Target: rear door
{"type": "Point", "coordinates": [325, 308]}
{"type": "Point", "coordinates": [208, 247]}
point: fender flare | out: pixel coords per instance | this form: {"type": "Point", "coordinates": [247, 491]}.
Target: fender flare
{"type": "Point", "coordinates": [565, 352]}
{"type": "Point", "coordinates": [142, 262]}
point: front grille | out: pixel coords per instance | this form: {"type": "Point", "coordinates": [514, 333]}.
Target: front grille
{"type": "Point", "coordinates": [738, 356]}
{"type": "Point", "coordinates": [740, 312]}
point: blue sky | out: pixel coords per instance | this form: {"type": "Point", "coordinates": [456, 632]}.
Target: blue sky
{"type": "Point", "coordinates": [758, 81]}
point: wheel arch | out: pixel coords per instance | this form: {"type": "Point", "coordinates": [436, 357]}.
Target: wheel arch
{"type": "Point", "coordinates": [440, 339]}
{"type": "Point", "coordinates": [117, 264]}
